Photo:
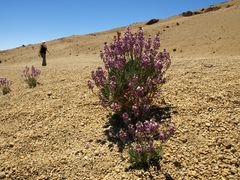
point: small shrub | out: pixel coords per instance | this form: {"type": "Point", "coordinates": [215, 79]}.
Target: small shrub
{"type": "Point", "coordinates": [144, 156]}
{"type": "Point", "coordinates": [134, 71]}
{"type": "Point", "coordinates": [31, 75]}
{"type": "Point", "coordinates": [145, 134]}
{"type": "Point", "coordinates": [133, 74]}
{"type": "Point", "coordinates": [5, 85]}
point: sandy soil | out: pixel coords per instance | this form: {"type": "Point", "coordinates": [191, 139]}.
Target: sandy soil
{"type": "Point", "coordinates": [57, 130]}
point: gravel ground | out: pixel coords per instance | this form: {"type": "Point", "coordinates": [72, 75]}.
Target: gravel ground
{"type": "Point", "coordinates": [56, 130]}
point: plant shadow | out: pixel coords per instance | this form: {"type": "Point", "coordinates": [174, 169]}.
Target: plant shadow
{"type": "Point", "coordinates": [115, 123]}
{"type": "Point", "coordinates": [112, 128]}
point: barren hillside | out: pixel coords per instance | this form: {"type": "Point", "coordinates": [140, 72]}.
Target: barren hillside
{"type": "Point", "coordinates": [211, 33]}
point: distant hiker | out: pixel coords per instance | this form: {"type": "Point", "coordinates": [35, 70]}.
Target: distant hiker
{"type": "Point", "coordinates": [42, 52]}
{"type": "Point", "coordinates": [118, 35]}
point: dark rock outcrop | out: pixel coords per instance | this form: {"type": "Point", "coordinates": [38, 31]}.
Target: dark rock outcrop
{"type": "Point", "coordinates": [152, 21]}
{"type": "Point", "coordinates": [187, 13]}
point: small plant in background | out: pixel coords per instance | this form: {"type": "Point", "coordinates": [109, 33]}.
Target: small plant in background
{"type": "Point", "coordinates": [132, 77]}
{"type": "Point", "coordinates": [31, 75]}
{"type": "Point", "coordinates": [5, 85]}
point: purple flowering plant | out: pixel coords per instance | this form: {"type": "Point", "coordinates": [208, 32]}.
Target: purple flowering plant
{"type": "Point", "coordinates": [5, 85]}
{"type": "Point", "coordinates": [31, 75]}
{"type": "Point", "coordinates": [144, 155]}
{"type": "Point", "coordinates": [133, 73]}
{"type": "Point", "coordinates": [146, 151]}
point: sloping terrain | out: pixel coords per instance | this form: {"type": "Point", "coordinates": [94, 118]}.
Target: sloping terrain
{"type": "Point", "coordinates": [58, 131]}
{"type": "Point", "coordinates": [213, 33]}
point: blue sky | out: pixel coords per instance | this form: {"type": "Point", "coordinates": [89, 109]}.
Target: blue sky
{"type": "Point", "coordinates": [31, 21]}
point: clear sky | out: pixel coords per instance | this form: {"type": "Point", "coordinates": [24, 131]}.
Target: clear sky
{"type": "Point", "coordinates": [31, 21]}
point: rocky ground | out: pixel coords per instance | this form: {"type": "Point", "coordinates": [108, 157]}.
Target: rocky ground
{"type": "Point", "coordinates": [56, 130]}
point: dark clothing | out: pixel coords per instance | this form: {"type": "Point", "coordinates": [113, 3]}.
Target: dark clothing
{"type": "Point", "coordinates": [43, 49]}
{"type": "Point", "coordinates": [43, 55]}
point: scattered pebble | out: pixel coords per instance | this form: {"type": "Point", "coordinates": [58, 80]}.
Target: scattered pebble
{"type": "Point", "coordinates": [49, 93]}
{"type": "Point", "coordinates": [184, 140]}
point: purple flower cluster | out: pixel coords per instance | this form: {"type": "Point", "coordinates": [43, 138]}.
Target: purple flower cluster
{"type": "Point", "coordinates": [115, 107]}
{"type": "Point", "coordinates": [5, 85]}
{"type": "Point", "coordinates": [31, 75]}
{"type": "Point", "coordinates": [144, 148]}
{"type": "Point", "coordinates": [138, 148]}
{"type": "Point", "coordinates": [4, 82]}
{"type": "Point", "coordinates": [134, 69]}
{"type": "Point", "coordinates": [99, 76]}
{"type": "Point", "coordinates": [90, 84]}
{"type": "Point", "coordinates": [147, 132]}
{"type": "Point", "coordinates": [167, 133]}
{"type": "Point", "coordinates": [133, 46]}
{"type": "Point", "coordinates": [147, 129]}
{"type": "Point", "coordinates": [32, 72]}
